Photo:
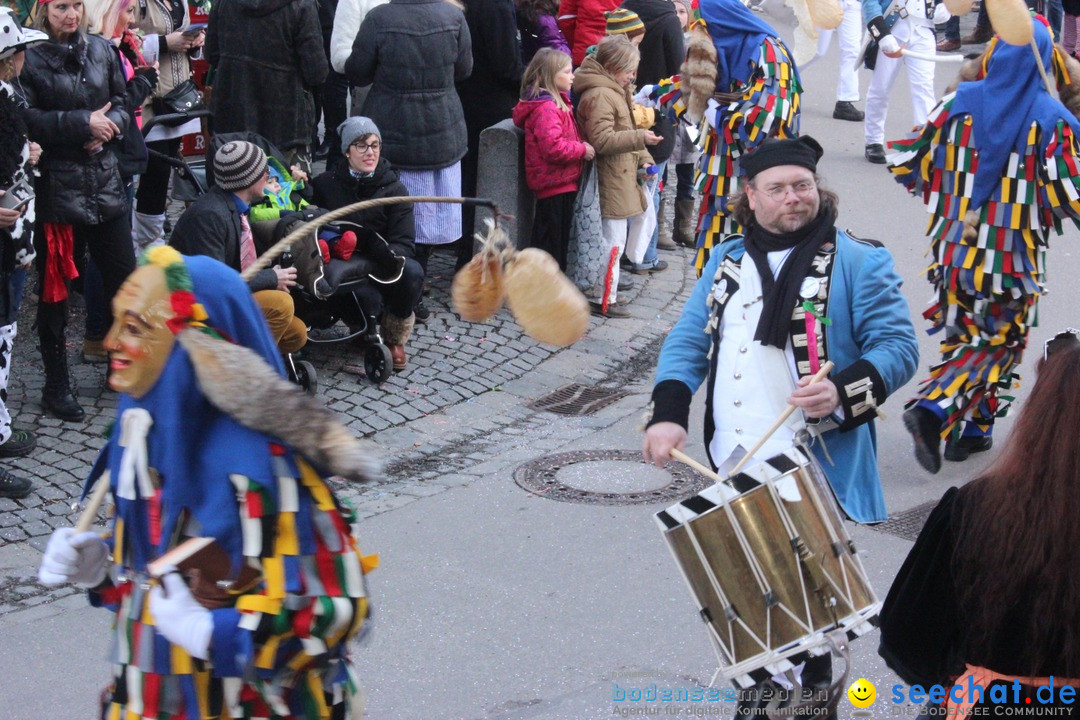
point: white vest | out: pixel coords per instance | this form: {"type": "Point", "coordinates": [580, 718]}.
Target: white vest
{"type": "Point", "coordinates": [753, 381]}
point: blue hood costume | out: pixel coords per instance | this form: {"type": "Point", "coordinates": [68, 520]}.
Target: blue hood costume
{"type": "Point", "coordinates": [737, 34]}
{"type": "Point", "coordinates": [197, 444]}
{"type": "Point", "coordinates": [1005, 103]}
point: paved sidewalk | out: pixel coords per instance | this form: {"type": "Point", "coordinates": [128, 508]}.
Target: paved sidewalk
{"type": "Point", "coordinates": [464, 393]}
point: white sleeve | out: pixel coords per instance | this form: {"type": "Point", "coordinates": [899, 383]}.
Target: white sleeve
{"type": "Point", "coordinates": [346, 24]}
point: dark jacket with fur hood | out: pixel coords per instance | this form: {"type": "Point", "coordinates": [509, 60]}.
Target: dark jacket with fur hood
{"type": "Point", "coordinates": [337, 188]}
{"type": "Point", "coordinates": [212, 227]}
{"type": "Point", "coordinates": [64, 83]}
{"type": "Point", "coordinates": [606, 123]}
{"type": "Point", "coordinates": [269, 57]}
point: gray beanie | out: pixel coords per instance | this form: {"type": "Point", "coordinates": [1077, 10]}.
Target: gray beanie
{"type": "Point", "coordinates": [238, 165]}
{"type": "Point", "coordinates": [356, 127]}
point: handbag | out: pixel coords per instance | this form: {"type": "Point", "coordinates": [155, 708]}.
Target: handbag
{"type": "Point", "coordinates": [587, 253]}
{"type": "Point", "coordinates": [183, 98]}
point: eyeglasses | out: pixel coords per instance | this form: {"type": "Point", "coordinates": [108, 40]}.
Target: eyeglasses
{"type": "Point", "coordinates": [364, 148]}
{"type": "Point", "coordinates": [1058, 341]}
{"type": "Point", "coordinates": [779, 192]}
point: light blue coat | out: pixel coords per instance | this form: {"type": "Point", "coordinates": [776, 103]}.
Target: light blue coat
{"type": "Point", "coordinates": [871, 336]}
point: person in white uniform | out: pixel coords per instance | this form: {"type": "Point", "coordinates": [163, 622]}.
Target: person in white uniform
{"type": "Point", "coordinates": [849, 36]}
{"type": "Point", "coordinates": [894, 26]}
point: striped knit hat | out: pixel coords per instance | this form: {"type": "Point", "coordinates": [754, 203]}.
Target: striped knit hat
{"type": "Point", "coordinates": [624, 22]}
{"type": "Point", "coordinates": [238, 165]}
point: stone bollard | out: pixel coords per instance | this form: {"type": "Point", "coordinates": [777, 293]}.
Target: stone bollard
{"type": "Point", "coordinates": [501, 177]}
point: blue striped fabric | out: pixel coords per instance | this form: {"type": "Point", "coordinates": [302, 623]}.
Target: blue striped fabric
{"type": "Point", "coordinates": [436, 223]}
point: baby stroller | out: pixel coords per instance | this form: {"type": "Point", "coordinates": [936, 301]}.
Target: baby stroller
{"type": "Point", "coordinates": [342, 289]}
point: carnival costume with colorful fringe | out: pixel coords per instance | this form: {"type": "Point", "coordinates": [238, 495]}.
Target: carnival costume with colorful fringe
{"type": "Point", "coordinates": [179, 466]}
{"type": "Point", "coordinates": [996, 166]}
{"type": "Point", "coordinates": [731, 51]}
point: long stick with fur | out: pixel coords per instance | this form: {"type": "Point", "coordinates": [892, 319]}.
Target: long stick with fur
{"type": "Point", "coordinates": [264, 260]}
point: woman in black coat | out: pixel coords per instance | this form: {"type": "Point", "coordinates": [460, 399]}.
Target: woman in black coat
{"type": "Point", "coordinates": [75, 91]}
{"type": "Point", "coordinates": [366, 175]}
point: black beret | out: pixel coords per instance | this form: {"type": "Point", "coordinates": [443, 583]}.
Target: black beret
{"type": "Point", "coordinates": [803, 151]}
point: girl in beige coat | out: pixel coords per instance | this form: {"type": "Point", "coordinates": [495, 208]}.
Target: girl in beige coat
{"type": "Point", "coordinates": [603, 84]}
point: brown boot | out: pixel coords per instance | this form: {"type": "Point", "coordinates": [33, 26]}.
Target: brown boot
{"type": "Point", "coordinates": [684, 223]}
{"type": "Point", "coordinates": [395, 333]}
{"type": "Point", "coordinates": [981, 34]}
{"type": "Point", "coordinates": [663, 235]}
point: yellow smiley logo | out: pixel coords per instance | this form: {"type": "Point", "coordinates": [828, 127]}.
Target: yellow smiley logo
{"type": "Point", "coordinates": [862, 693]}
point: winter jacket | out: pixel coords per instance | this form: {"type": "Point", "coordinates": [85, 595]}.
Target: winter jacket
{"type": "Point", "coordinates": [131, 153]}
{"type": "Point", "coordinates": [337, 188]}
{"type": "Point", "coordinates": [156, 20]}
{"type": "Point", "coordinates": [490, 93]}
{"type": "Point", "coordinates": [662, 48]}
{"type": "Point", "coordinates": [16, 242]}
{"type": "Point", "coordinates": [543, 33]}
{"type": "Point", "coordinates": [269, 57]}
{"type": "Point", "coordinates": [64, 83]}
{"type": "Point", "coordinates": [606, 122]}
{"type": "Point", "coordinates": [553, 147]}
{"type": "Point", "coordinates": [350, 14]}
{"type": "Point", "coordinates": [583, 24]}
{"type": "Point", "coordinates": [212, 227]}
{"type": "Point", "coordinates": [412, 52]}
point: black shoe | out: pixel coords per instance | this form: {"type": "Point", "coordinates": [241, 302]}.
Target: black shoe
{"type": "Point", "coordinates": [875, 153]}
{"type": "Point", "coordinates": [625, 283]}
{"type": "Point", "coordinates": [422, 313]}
{"type": "Point", "coordinates": [20, 443]}
{"type": "Point", "coordinates": [614, 310]}
{"type": "Point", "coordinates": [658, 266]}
{"type": "Point", "coordinates": [960, 450]}
{"type": "Point", "coordinates": [925, 429]}
{"type": "Point", "coordinates": [322, 152]}
{"type": "Point", "coordinates": [14, 487]}
{"type": "Point", "coordinates": [63, 406]}
{"type": "Point", "coordinates": [844, 110]}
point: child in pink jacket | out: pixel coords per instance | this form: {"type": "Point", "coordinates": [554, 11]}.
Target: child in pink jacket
{"type": "Point", "coordinates": [554, 150]}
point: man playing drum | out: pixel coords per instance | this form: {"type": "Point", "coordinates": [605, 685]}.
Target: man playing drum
{"type": "Point", "coordinates": [771, 307]}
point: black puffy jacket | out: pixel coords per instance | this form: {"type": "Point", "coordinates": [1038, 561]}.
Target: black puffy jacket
{"type": "Point", "coordinates": [64, 83]}
{"type": "Point", "coordinates": [337, 188]}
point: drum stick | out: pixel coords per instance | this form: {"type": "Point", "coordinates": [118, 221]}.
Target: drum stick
{"type": "Point", "coordinates": [89, 514]}
{"type": "Point", "coordinates": [687, 460]}
{"type": "Point", "coordinates": [818, 377]}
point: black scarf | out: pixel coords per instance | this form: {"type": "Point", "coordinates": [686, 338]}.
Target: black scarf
{"type": "Point", "coordinates": [779, 295]}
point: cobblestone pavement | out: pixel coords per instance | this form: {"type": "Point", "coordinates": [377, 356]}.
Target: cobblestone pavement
{"type": "Point", "coordinates": [461, 402]}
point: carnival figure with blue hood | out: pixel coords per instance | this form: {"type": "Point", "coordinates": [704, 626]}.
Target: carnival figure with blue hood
{"type": "Point", "coordinates": [738, 86]}
{"type": "Point", "coordinates": [996, 166]}
{"type": "Point", "coordinates": [212, 442]}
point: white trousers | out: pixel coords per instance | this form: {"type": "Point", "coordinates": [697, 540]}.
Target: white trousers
{"type": "Point", "coordinates": [920, 81]}
{"type": "Point", "coordinates": [850, 35]}
{"type": "Point", "coordinates": [615, 231]}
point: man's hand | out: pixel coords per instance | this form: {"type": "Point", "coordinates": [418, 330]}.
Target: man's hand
{"type": "Point", "coordinates": [9, 217]}
{"type": "Point", "coordinates": [286, 277]}
{"type": "Point", "coordinates": [660, 439]}
{"type": "Point", "coordinates": [652, 138]}
{"type": "Point", "coordinates": [890, 46]}
{"type": "Point", "coordinates": [818, 400]}
{"type": "Point", "coordinates": [101, 127]}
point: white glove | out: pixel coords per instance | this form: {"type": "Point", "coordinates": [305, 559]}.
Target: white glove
{"type": "Point", "coordinates": [179, 616]}
{"type": "Point", "coordinates": [642, 97]}
{"type": "Point", "coordinates": [69, 558]}
{"type": "Point", "coordinates": [941, 14]}
{"type": "Point", "coordinates": [888, 44]}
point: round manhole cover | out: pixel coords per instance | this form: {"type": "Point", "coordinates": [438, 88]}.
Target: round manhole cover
{"type": "Point", "coordinates": [607, 477]}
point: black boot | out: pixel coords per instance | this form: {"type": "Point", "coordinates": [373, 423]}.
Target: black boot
{"type": "Point", "coordinates": [56, 397]}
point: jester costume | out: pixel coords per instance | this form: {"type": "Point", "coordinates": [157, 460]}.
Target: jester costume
{"type": "Point", "coordinates": [996, 166]}
{"type": "Point", "coordinates": [180, 467]}
{"type": "Point", "coordinates": [741, 56]}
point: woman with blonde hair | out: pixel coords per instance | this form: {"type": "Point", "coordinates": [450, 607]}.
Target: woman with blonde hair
{"type": "Point", "coordinates": [604, 82]}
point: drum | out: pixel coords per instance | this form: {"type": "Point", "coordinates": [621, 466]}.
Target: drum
{"type": "Point", "coordinates": [772, 569]}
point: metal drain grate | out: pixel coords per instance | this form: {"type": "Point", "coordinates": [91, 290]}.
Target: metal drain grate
{"type": "Point", "coordinates": [577, 399]}
{"type": "Point", "coordinates": [540, 476]}
{"type": "Point", "coordinates": [909, 523]}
